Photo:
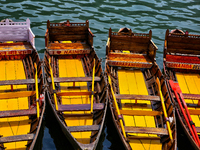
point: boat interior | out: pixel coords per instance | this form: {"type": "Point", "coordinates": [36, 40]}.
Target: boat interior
{"type": "Point", "coordinates": [182, 64]}
{"type": "Point", "coordinates": [18, 119]}
{"type": "Point", "coordinates": [76, 75]}
{"type": "Point", "coordinates": [133, 73]}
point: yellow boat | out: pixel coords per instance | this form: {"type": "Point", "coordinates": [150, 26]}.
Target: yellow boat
{"type": "Point", "coordinates": [22, 102]}
{"type": "Point", "coordinates": [78, 92]}
{"type": "Point", "coordinates": [182, 66]}
{"type": "Point", "coordinates": [142, 112]}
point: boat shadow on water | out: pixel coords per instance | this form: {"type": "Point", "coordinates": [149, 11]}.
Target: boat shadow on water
{"type": "Point", "coordinates": [182, 140]}
{"type": "Point", "coordinates": [59, 139]}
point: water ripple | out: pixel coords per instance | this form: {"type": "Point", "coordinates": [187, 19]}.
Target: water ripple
{"type": "Point", "coordinates": [139, 15]}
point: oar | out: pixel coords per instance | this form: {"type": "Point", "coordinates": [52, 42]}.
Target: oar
{"type": "Point", "coordinates": [116, 106]}
{"type": "Point", "coordinates": [164, 110]}
{"type": "Point", "coordinates": [36, 90]}
{"type": "Point", "coordinates": [53, 85]}
{"type": "Point", "coordinates": [92, 97]}
{"type": "Point", "coordinates": [175, 89]}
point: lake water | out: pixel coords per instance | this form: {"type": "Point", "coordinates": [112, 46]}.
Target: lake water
{"type": "Point", "coordinates": [139, 15]}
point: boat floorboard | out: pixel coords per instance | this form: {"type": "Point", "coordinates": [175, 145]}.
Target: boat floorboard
{"type": "Point", "coordinates": [74, 68]}
{"type": "Point", "coordinates": [133, 82]}
{"type": "Point", "coordinates": [189, 84]}
{"type": "Point", "coordinates": [12, 70]}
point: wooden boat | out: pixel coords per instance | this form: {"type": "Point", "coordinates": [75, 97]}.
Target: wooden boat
{"type": "Point", "coordinates": [135, 99]}
{"type": "Point", "coordinates": [182, 65]}
{"type": "Point", "coordinates": [21, 87]}
{"type": "Point", "coordinates": [77, 93]}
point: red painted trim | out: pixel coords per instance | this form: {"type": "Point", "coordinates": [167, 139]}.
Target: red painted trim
{"type": "Point", "coordinates": [183, 59]}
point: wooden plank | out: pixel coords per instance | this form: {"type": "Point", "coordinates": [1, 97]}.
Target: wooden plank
{"type": "Point", "coordinates": [129, 39]}
{"type": "Point", "coordinates": [146, 130]}
{"type": "Point", "coordinates": [129, 55]}
{"type": "Point", "coordinates": [144, 137]}
{"type": "Point", "coordinates": [64, 32]}
{"type": "Point", "coordinates": [191, 96]}
{"type": "Point", "coordinates": [17, 113]}
{"type": "Point", "coordinates": [67, 29]}
{"type": "Point", "coordinates": [74, 93]}
{"type": "Point", "coordinates": [79, 115]}
{"type": "Point", "coordinates": [9, 95]}
{"type": "Point", "coordinates": [74, 79]}
{"type": "Point", "coordinates": [15, 52]}
{"type": "Point", "coordinates": [84, 128]}
{"type": "Point", "coordinates": [130, 64]}
{"type": "Point", "coordinates": [68, 51]}
{"type": "Point", "coordinates": [67, 37]}
{"type": "Point", "coordinates": [140, 113]}
{"type": "Point", "coordinates": [14, 44]}
{"type": "Point", "coordinates": [198, 129]}
{"type": "Point", "coordinates": [16, 138]}
{"type": "Point", "coordinates": [136, 47]}
{"type": "Point", "coordinates": [133, 60]}
{"type": "Point", "coordinates": [18, 82]}
{"type": "Point", "coordinates": [191, 40]}
{"type": "Point", "coordinates": [183, 51]}
{"type": "Point", "coordinates": [68, 46]}
{"type": "Point", "coordinates": [194, 111]}
{"type": "Point", "coordinates": [138, 105]}
{"type": "Point", "coordinates": [193, 105]}
{"type": "Point", "coordinates": [137, 97]}
{"type": "Point", "coordinates": [183, 59]}
{"type": "Point", "coordinates": [80, 107]}
{"type": "Point", "coordinates": [183, 65]}
{"type": "Point", "coordinates": [187, 45]}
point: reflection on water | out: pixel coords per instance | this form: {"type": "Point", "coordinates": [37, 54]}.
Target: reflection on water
{"type": "Point", "coordinates": [139, 15]}
{"type": "Point", "coordinates": [53, 135]}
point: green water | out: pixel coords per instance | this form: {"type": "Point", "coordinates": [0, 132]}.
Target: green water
{"type": "Point", "coordinates": [139, 15]}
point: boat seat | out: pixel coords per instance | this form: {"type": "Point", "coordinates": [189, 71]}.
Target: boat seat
{"type": "Point", "coordinates": [16, 138]}
{"type": "Point", "coordinates": [183, 59]}
{"type": "Point", "coordinates": [9, 95]}
{"type": "Point", "coordinates": [74, 79]}
{"type": "Point", "coordinates": [84, 128]}
{"type": "Point", "coordinates": [17, 48]}
{"type": "Point", "coordinates": [74, 93]}
{"type": "Point", "coordinates": [140, 113]}
{"type": "Point", "coordinates": [144, 137]}
{"type": "Point", "coordinates": [18, 82]}
{"type": "Point", "coordinates": [183, 62]}
{"type": "Point", "coordinates": [129, 60]}
{"type": "Point", "coordinates": [191, 96]}
{"type": "Point", "coordinates": [146, 130]}
{"type": "Point", "coordinates": [68, 48]}
{"type": "Point", "coordinates": [198, 129]}
{"type": "Point", "coordinates": [85, 115]}
{"type": "Point", "coordinates": [137, 97]}
{"type": "Point", "coordinates": [80, 107]}
{"type": "Point", "coordinates": [134, 105]}
{"type": "Point", "coordinates": [16, 113]}
{"type": "Point", "coordinates": [194, 111]}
